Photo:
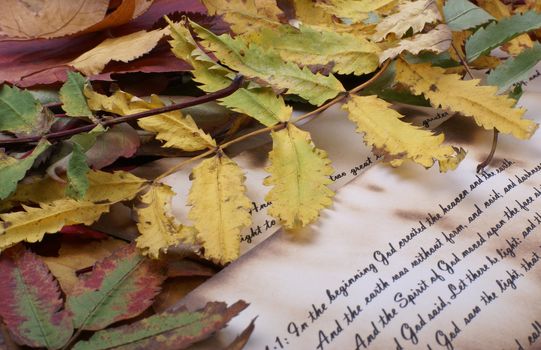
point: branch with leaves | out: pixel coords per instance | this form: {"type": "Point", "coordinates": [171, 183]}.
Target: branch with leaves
{"type": "Point", "coordinates": [55, 155]}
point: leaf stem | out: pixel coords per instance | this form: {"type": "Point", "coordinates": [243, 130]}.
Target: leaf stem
{"type": "Point", "coordinates": [487, 161]}
{"type": "Point", "coordinates": [280, 125]}
{"type": "Point", "coordinates": [234, 86]}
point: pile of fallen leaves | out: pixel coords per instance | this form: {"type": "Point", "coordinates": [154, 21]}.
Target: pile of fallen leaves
{"type": "Point", "coordinates": [83, 102]}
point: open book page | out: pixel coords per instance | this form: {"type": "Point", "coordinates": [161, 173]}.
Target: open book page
{"type": "Point", "coordinates": [406, 258]}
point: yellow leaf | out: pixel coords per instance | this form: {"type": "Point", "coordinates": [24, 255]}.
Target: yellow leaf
{"type": "Point", "coordinates": [384, 130]}
{"type": "Point", "coordinates": [159, 229]}
{"type": "Point", "coordinates": [245, 16]}
{"type": "Point", "coordinates": [177, 130]}
{"type": "Point", "coordinates": [32, 224]}
{"type": "Point", "coordinates": [254, 62]}
{"type": "Point", "coordinates": [307, 12]}
{"type": "Point", "coordinates": [356, 11]}
{"type": "Point", "coordinates": [437, 40]}
{"type": "Point", "coordinates": [412, 15]}
{"type": "Point", "coordinates": [299, 174]}
{"type": "Point", "coordinates": [261, 103]}
{"type": "Point", "coordinates": [49, 19]}
{"type": "Point", "coordinates": [220, 207]}
{"type": "Point", "coordinates": [467, 97]}
{"type": "Point", "coordinates": [124, 49]}
{"type": "Point", "coordinates": [345, 53]}
{"type": "Point", "coordinates": [103, 186]}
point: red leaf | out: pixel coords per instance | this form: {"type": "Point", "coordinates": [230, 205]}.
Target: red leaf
{"type": "Point", "coordinates": [83, 231]}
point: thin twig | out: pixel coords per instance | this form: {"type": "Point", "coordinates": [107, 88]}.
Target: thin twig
{"type": "Point", "coordinates": [280, 125]}
{"type": "Point", "coordinates": [234, 86]}
{"type": "Point", "coordinates": [488, 159]}
{"type": "Point", "coordinates": [463, 61]}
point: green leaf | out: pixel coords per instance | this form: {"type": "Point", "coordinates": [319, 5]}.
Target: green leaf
{"type": "Point", "coordinates": [13, 170]}
{"type": "Point", "coordinates": [515, 69]}
{"type": "Point", "coordinates": [462, 14]}
{"type": "Point", "coordinates": [119, 287]}
{"type": "Point", "coordinates": [19, 110]}
{"type": "Point", "coordinates": [76, 173]}
{"type": "Point", "coordinates": [169, 330]}
{"type": "Point", "coordinates": [32, 307]}
{"type": "Point", "coordinates": [72, 97]}
{"type": "Point", "coordinates": [497, 33]}
{"type": "Point", "coordinates": [254, 62]}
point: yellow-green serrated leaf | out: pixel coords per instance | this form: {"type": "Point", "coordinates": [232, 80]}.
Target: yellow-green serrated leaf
{"type": "Point", "coordinates": [437, 40]}
{"type": "Point", "coordinates": [103, 186]}
{"type": "Point", "coordinates": [159, 229]}
{"type": "Point", "coordinates": [254, 62]}
{"type": "Point", "coordinates": [358, 10]}
{"type": "Point", "coordinates": [246, 15]}
{"type": "Point", "coordinates": [412, 15]}
{"type": "Point", "coordinates": [32, 223]}
{"type": "Point", "coordinates": [345, 53]}
{"type": "Point", "coordinates": [299, 174]}
{"type": "Point", "coordinates": [261, 103]}
{"type": "Point", "coordinates": [467, 97]}
{"type": "Point", "coordinates": [384, 130]}
{"type": "Point", "coordinates": [220, 207]}
{"type": "Point", "coordinates": [174, 128]}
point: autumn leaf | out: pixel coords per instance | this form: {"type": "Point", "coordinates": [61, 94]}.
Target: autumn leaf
{"type": "Point", "coordinates": [261, 103]}
{"type": "Point", "coordinates": [246, 16]}
{"type": "Point", "coordinates": [414, 15]}
{"type": "Point", "coordinates": [437, 40]}
{"type": "Point", "coordinates": [72, 97]}
{"type": "Point", "coordinates": [345, 53]}
{"type": "Point", "coordinates": [119, 287]}
{"type": "Point", "coordinates": [169, 330]}
{"type": "Point", "coordinates": [462, 14]}
{"type": "Point", "coordinates": [125, 48]}
{"type": "Point", "coordinates": [158, 227]}
{"type": "Point", "coordinates": [76, 173]}
{"type": "Point", "coordinates": [467, 97]}
{"type": "Point", "coordinates": [384, 130]}
{"type": "Point", "coordinates": [32, 307]}
{"type": "Point", "coordinates": [254, 62]}
{"type": "Point", "coordinates": [31, 224]}
{"type": "Point", "coordinates": [220, 207]}
{"type": "Point", "coordinates": [19, 110]}
{"type": "Point", "coordinates": [299, 174]}
{"type": "Point", "coordinates": [13, 170]}
{"type": "Point", "coordinates": [356, 11]}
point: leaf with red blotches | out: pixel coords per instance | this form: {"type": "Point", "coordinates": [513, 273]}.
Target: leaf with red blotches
{"type": "Point", "coordinates": [168, 330]}
{"type": "Point", "coordinates": [31, 306]}
{"type": "Point", "coordinates": [119, 287]}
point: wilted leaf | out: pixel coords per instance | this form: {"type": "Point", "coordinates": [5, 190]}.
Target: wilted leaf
{"type": "Point", "coordinates": [240, 341]}
{"type": "Point", "coordinates": [72, 97]}
{"type": "Point", "coordinates": [170, 330]}
{"type": "Point", "coordinates": [119, 287]}
{"type": "Point", "coordinates": [384, 130]}
{"type": "Point", "coordinates": [219, 207]}
{"type": "Point", "coordinates": [497, 33]}
{"type": "Point", "coordinates": [412, 15]}
{"type": "Point", "coordinates": [76, 173]}
{"type": "Point", "coordinates": [465, 96]}
{"type": "Point", "coordinates": [299, 174]}
{"type": "Point", "coordinates": [158, 227]}
{"type": "Point", "coordinates": [254, 62]}
{"type": "Point", "coordinates": [49, 19]}
{"type": "Point", "coordinates": [260, 103]}
{"type": "Point", "coordinates": [306, 46]}
{"type": "Point", "coordinates": [125, 48]}
{"type": "Point", "coordinates": [19, 110]}
{"type": "Point", "coordinates": [246, 16]}
{"type": "Point", "coordinates": [462, 14]}
{"type": "Point", "coordinates": [437, 40]}
{"type": "Point", "coordinates": [515, 69]}
{"type": "Point", "coordinates": [32, 307]}
{"type": "Point", "coordinates": [13, 170]}
{"type": "Point", "coordinates": [32, 224]}
{"type": "Point", "coordinates": [121, 140]}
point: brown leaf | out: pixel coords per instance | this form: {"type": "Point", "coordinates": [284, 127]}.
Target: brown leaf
{"type": "Point", "coordinates": [49, 19]}
{"type": "Point", "coordinates": [125, 12]}
{"type": "Point", "coordinates": [241, 340]}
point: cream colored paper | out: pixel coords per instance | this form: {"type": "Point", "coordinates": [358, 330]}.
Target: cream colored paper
{"type": "Point", "coordinates": [454, 294]}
